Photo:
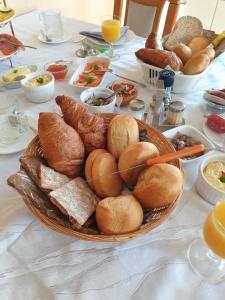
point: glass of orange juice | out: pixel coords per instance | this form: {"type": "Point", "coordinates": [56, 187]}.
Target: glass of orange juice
{"type": "Point", "coordinates": [111, 29]}
{"type": "Point", "coordinates": [207, 257]}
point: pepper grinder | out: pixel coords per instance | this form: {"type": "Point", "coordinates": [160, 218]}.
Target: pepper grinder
{"type": "Point", "coordinates": [167, 76]}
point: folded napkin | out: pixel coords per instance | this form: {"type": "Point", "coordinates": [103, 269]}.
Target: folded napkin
{"type": "Point", "coordinates": [97, 35]}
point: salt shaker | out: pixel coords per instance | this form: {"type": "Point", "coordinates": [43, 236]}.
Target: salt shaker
{"type": "Point", "coordinates": [175, 113]}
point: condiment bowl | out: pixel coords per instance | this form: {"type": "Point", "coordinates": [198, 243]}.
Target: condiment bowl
{"type": "Point", "coordinates": [206, 190]}
{"type": "Point", "coordinates": [197, 135]}
{"type": "Point", "coordinates": [38, 94]}
{"type": "Point", "coordinates": [58, 74]}
{"type": "Point", "coordinates": [98, 93]}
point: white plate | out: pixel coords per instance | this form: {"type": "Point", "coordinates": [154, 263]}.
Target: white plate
{"type": "Point", "coordinates": [66, 37]}
{"type": "Point", "coordinates": [19, 145]}
{"type": "Point", "coordinates": [214, 99]}
{"type": "Point", "coordinates": [127, 38]}
{"type": "Point", "coordinates": [4, 57]}
{"type": "Point", "coordinates": [7, 20]}
{"type": "Point", "coordinates": [80, 69]}
{"type": "Point", "coordinates": [193, 132]}
{"type": "Point", "coordinates": [217, 138]}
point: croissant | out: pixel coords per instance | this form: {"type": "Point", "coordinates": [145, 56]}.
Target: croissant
{"type": "Point", "coordinates": [61, 145]}
{"type": "Point", "coordinates": [91, 127]}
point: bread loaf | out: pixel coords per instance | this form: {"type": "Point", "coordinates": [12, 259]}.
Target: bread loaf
{"type": "Point", "coordinates": [159, 58]}
{"type": "Point", "coordinates": [208, 51]}
{"type": "Point", "coordinates": [122, 132]}
{"type": "Point", "coordinates": [118, 215]}
{"type": "Point", "coordinates": [133, 156]}
{"type": "Point", "coordinates": [183, 52]}
{"type": "Point", "coordinates": [159, 185]}
{"type": "Point", "coordinates": [197, 64]}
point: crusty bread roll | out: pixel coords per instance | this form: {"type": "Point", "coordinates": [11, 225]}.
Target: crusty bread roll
{"type": "Point", "coordinates": [159, 185]}
{"type": "Point", "coordinates": [118, 215]}
{"type": "Point", "coordinates": [106, 182]}
{"type": "Point", "coordinates": [208, 51]}
{"type": "Point", "coordinates": [61, 144]}
{"type": "Point", "coordinates": [159, 58]}
{"type": "Point", "coordinates": [133, 156]}
{"type": "Point", "coordinates": [198, 43]}
{"type": "Point", "coordinates": [196, 64]}
{"type": "Point", "coordinates": [153, 42]}
{"type": "Point", "coordinates": [122, 132]}
{"type": "Point", "coordinates": [183, 52]}
{"type": "Point", "coordinates": [89, 164]}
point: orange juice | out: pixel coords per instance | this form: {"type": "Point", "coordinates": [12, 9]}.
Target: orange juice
{"type": "Point", "coordinates": [111, 30]}
{"type": "Point", "coordinates": [214, 230]}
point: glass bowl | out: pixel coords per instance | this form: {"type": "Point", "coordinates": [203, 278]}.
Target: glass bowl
{"type": "Point", "coordinates": [58, 68]}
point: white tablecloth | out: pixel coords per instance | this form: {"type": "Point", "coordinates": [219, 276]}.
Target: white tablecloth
{"type": "Point", "coordinates": [37, 263]}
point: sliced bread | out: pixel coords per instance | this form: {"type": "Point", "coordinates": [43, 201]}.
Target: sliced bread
{"type": "Point", "coordinates": [76, 200]}
{"type": "Point", "coordinates": [185, 29]}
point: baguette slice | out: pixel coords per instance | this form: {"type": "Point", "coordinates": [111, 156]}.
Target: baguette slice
{"type": "Point", "coordinates": [184, 30]}
{"type": "Point", "coordinates": [76, 200]}
{"type": "Point", "coordinates": [51, 180]}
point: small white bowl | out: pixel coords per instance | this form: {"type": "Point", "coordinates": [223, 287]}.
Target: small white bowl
{"type": "Point", "coordinates": [98, 92]}
{"type": "Point", "coordinates": [206, 189]}
{"type": "Point", "coordinates": [194, 133]}
{"type": "Point", "coordinates": [38, 94]}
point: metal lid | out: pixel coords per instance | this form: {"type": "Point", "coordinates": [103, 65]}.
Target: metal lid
{"type": "Point", "coordinates": [137, 104]}
{"type": "Point", "coordinates": [177, 106]}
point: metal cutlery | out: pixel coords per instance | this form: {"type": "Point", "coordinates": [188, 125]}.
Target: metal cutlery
{"type": "Point", "coordinates": [15, 44]}
{"type": "Point", "coordinates": [132, 80]}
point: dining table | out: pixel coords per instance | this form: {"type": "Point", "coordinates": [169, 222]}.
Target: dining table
{"type": "Point", "coordinates": [39, 263]}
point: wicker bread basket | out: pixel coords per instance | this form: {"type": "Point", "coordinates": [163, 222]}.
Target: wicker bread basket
{"type": "Point", "coordinates": [156, 217]}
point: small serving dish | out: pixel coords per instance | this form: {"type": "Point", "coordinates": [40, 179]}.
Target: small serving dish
{"type": "Point", "coordinates": [58, 68]}
{"type": "Point", "coordinates": [128, 94]}
{"type": "Point", "coordinates": [90, 73]}
{"type": "Point", "coordinates": [12, 79]}
{"type": "Point", "coordinates": [39, 86]}
{"type": "Point", "coordinates": [191, 131]}
{"type": "Point", "coordinates": [207, 190]}
{"type": "Point", "coordinates": [98, 93]}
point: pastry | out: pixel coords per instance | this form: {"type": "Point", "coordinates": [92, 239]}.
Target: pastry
{"type": "Point", "coordinates": [158, 186]}
{"type": "Point", "coordinates": [133, 156]}
{"type": "Point", "coordinates": [91, 127]}
{"type": "Point", "coordinates": [122, 132]}
{"type": "Point", "coordinates": [62, 146]}
{"type": "Point", "coordinates": [159, 58]}
{"type": "Point", "coordinates": [105, 176]}
{"type": "Point", "coordinates": [119, 215]}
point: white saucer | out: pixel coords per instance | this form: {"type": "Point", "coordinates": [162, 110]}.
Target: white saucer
{"type": "Point", "coordinates": [19, 145]}
{"type": "Point", "coordinates": [127, 38]}
{"type": "Point", "coordinates": [216, 138]}
{"type": "Point", "coordinates": [66, 37]}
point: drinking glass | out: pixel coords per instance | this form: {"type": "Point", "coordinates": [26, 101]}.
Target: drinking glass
{"type": "Point", "coordinates": [207, 258]}
{"type": "Point", "coordinates": [51, 25]}
{"type": "Point", "coordinates": [13, 124]}
{"type": "Point", "coordinates": [111, 29]}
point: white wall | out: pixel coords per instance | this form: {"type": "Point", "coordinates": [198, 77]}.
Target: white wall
{"type": "Point", "coordinates": [87, 10]}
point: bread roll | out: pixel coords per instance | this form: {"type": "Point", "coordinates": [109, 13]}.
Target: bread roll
{"type": "Point", "coordinates": [183, 52]}
{"type": "Point", "coordinates": [197, 64]}
{"type": "Point", "coordinates": [118, 215]}
{"type": "Point", "coordinates": [159, 58]}
{"type": "Point", "coordinates": [198, 43]}
{"type": "Point", "coordinates": [133, 156]}
{"type": "Point", "coordinates": [122, 132]}
{"type": "Point", "coordinates": [61, 144]}
{"type": "Point", "coordinates": [152, 42]}
{"type": "Point", "coordinates": [158, 186]}
{"type": "Point", "coordinates": [89, 164]}
{"type": "Point", "coordinates": [208, 51]}
{"type": "Point", "coordinates": [106, 182]}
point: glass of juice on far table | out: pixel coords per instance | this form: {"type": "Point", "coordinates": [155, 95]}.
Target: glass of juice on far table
{"type": "Point", "coordinates": [208, 259]}
{"type": "Point", "coordinates": [111, 29]}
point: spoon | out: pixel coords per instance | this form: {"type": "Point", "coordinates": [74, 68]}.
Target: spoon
{"type": "Point", "coordinates": [113, 94]}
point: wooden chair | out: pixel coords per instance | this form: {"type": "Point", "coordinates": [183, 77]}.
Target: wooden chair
{"type": "Point", "coordinates": [143, 16]}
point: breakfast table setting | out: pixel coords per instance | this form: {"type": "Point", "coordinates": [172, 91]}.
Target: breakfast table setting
{"type": "Point", "coordinates": [37, 262]}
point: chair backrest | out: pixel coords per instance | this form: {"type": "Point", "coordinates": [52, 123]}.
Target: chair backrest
{"type": "Point", "coordinates": [143, 16]}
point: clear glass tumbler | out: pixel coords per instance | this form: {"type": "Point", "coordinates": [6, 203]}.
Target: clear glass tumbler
{"type": "Point", "coordinates": [51, 25]}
